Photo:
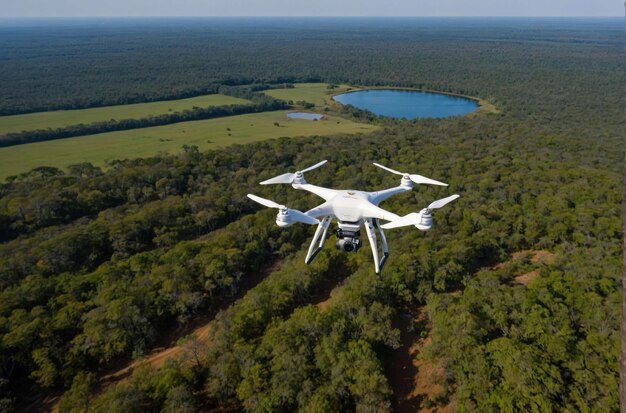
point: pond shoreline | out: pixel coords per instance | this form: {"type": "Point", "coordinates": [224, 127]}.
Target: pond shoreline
{"type": "Point", "coordinates": [484, 106]}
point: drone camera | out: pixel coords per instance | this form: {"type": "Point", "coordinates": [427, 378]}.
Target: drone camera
{"type": "Point", "coordinates": [348, 244]}
{"type": "Point", "coordinates": [348, 241]}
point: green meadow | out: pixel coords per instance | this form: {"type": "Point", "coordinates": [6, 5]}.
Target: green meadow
{"type": "Point", "coordinates": [145, 142]}
{"type": "Point", "coordinates": [320, 95]}
{"type": "Point", "coordinates": [63, 118]}
{"type": "Point", "coordinates": [316, 93]}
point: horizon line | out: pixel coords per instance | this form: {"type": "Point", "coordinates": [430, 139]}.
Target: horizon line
{"type": "Point", "coordinates": [304, 16]}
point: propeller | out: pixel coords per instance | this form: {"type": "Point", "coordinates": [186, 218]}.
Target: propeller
{"type": "Point", "coordinates": [290, 177]}
{"type": "Point", "coordinates": [442, 202]}
{"type": "Point", "coordinates": [418, 179]}
{"type": "Point", "coordinates": [422, 219]}
{"type": "Point", "coordinates": [292, 214]}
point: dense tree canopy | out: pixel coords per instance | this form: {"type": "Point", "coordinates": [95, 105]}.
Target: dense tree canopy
{"type": "Point", "coordinates": [95, 264]}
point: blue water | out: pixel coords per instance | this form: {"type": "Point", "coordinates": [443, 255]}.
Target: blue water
{"type": "Point", "coordinates": [409, 104]}
{"type": "Point", "coordinates": [304, 115]}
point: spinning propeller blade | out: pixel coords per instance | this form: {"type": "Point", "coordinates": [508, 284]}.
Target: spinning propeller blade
{"type": "Point", "coordinates": [441, 202]}
{"type": "Point", "coordinates": [317, 165]}
{"type": "Point", "coordinates": [389, 169]}
{"type": "Point", "coordinates": [417, 218]}
{"type": "Point", "coordinates": [280, 179]}
{"type": "Point", "coordinates": [292, 213]}
{"type": "Point", "coordinates": [265, 202]}
{"type": "Point", "coordinates": [289, 177]}
{"type": "Point", "coordinates": [418, 179]}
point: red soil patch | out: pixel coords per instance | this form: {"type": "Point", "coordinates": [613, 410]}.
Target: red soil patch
{"type": "Point", "coordinates": [156, 358]}
{"type": "Point", "coordinates": [537, 256]}
{"type": "Point", "coordinates": [324, 296]}
{"type": "Point", "coordinates": [543, 257]}
{"type": "Point", "coordinates": [159, 355]}
{"type": "Point", "coordinates": [527, 278]}
{"type": "Point", "coordinates": [323, 304]}
{"type": "Point", "coordinates": [415, 379]}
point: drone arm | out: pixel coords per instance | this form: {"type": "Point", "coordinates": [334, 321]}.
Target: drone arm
{"type": "Point", "coordinates": [320, 233]}
{"type": "Point", "coordinates": [321, 211]}
{"type": "Point", "coordinates": [325, 193]}
{"type": "Point", "coordinates": [378, 197]}
{"type": "Point", "coordinates": [423, 220]}
{"type": "Point", "coordinates": [373, 211]}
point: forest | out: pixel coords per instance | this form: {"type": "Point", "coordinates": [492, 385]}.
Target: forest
{"type": "Point", "coordinates": [261, 104]}
{"type": "Point", "coordinates": [97, 263]}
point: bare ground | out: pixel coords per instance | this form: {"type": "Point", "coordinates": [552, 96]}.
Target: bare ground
{"type": "Point", "coordinates": [416, 381]}
{"type": "Point", "coordinates": [527, 278]}
{"type": "Point", "coordinates": [536, 257]}
{"type": "Point", "coordinates": [323, 297]}
{"type": "Point", "coordinates": [323, 304]}
{"type": "Point", "coordinates": [199, 328]}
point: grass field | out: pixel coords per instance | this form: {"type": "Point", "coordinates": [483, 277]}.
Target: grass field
{"type": "Point", "coordinates": [62, 118]}
{"type": "Point", "coordinates": [316, 93]}
{"type": "Point", "coordinates": [145, 142]}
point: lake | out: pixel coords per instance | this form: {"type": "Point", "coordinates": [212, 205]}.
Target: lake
{"type": "Point", "coordinates": [409, 104]}
{"type": "Point", "coordinates": [304, 115]}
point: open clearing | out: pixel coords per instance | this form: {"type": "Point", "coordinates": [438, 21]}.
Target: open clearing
{"type": "Point", "coordinates": [416, 380]}
{"type": "Point", "coordinates": [63, 118]}
{"type": "Point", "coordinates": [146, 142]}
{"type": "Point", "coordinates": [316, 93]}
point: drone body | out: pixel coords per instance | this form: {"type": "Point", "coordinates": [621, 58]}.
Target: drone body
{"type": "Point", "coordinates": [352, 209]}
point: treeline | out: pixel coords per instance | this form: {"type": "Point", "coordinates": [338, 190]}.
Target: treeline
{"type": "Point", "coordinates": [244, 88]}
{"type": "Point", "coordinates": [120, 100]}
{"type": "Point", "coordinates": [260, 103]}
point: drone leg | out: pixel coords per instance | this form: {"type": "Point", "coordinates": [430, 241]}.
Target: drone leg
{"type": "Point", "coordinates": [384, 245]}
{"type": "Point", "coordinates": [371, 236]}
{"type": "Point", "coordinates": [320, 233]}
{"type": "Point", "coordinates": [326, 223]}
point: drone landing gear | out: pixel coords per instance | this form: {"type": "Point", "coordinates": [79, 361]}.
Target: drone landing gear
{"type": "Point", "coordinates": [320, 234]}
{"type": "Point", "coordinates": [370, 227]}
{"type": "Point", "coordinates": [371, 224]}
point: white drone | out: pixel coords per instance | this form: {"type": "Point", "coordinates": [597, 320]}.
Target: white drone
{"type": "Point", "coordinates": [352, 209]}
